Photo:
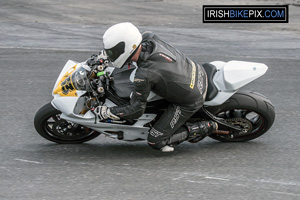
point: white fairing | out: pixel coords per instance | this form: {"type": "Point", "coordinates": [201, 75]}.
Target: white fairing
{"type": "Point", "coordinates": [238, 73]}
{"type": "Point", "coordinates": [131, 132]}
{"type": "Point", "coordinates": [233, 75]}
{"type": "Point", "coordinates": [67, 105]}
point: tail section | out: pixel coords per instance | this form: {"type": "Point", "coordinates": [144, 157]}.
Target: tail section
{"type": "Point", "coordinates": [231, 76]}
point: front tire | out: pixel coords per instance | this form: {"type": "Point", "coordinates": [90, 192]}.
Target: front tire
{"type": "Point", "coordinates": [49, 125]}
{"type": "Point", "coordinates": [251, 111]}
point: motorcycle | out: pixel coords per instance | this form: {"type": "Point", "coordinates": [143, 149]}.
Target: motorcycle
{"type": "Point", "coordinates": [70, 119]}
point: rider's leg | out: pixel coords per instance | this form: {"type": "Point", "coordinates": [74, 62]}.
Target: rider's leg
{"type": "Point", "coordinates": [166, 130]}
{"type": "Point", "coordinates": [163, 135]}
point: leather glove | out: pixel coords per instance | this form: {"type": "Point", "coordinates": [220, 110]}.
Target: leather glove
{"type": "Point", "coordinates": [104, 113]}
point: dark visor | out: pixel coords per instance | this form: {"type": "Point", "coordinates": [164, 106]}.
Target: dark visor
{"type": "Point", "coordinates": [114, 52]}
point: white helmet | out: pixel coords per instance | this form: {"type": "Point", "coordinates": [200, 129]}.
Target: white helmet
{"type": "Point", "coordinates": [120, 42]}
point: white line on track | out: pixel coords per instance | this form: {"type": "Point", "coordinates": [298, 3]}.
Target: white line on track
{"type": "Point", "coordinates": [28, 161]}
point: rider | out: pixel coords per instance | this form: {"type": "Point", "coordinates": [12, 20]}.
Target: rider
{"type": "Point", "coordinates": [165, 71]}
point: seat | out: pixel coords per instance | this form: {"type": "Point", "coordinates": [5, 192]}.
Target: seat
{"type": "Point", "coordinates": [212, 90]}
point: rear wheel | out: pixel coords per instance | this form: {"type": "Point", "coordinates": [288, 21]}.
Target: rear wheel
{"type": "Point", "coordinates": [49, 125]}
{"type": "Point", "coordinates": [250, 111]}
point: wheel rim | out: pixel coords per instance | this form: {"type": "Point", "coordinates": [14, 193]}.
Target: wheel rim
{"type": "Point", "coordinates": [244, 116]}
{"type": "Point", "coordinates": [64, 130]}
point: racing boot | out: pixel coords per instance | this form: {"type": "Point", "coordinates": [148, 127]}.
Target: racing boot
{"type": "Point", "coordinates": [192, 132]}
{"type": "Point", "coordinates": [178, 137]}
{"type": "Point", "coordinates": [199, 130]}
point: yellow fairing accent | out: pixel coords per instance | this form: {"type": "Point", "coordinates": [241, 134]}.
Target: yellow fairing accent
{"type": "Point", "coordinates": [65, 86]}
{"type": "Point", "coordinates": [193, 76]}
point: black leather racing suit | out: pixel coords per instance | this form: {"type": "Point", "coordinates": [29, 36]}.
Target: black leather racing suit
{"type": "Point", "coordinates": [165, 71]}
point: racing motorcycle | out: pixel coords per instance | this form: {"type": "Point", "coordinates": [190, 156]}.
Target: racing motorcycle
{"type": "Point", "coordinates": [70, 119]}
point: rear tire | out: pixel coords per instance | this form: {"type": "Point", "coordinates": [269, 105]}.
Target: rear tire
{"type": "Point", "coordinates": [245, 107]}
{"type": "Point", "coordinates": [48, 124]}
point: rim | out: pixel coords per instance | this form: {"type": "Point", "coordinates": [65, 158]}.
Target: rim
{"type": "Point", "coordinates": [250, 121]}
{"type": "Point", "coordinates": [64, 130]}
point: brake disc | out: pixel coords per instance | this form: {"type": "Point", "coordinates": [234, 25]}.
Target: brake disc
{"type": "Point", "coordinates": [67, 130]}
{"type": "Point", "coordinates": [60, 128]}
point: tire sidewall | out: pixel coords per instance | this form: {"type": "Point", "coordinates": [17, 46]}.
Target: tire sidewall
{"type": "Point", "coordinates": [249, 101]}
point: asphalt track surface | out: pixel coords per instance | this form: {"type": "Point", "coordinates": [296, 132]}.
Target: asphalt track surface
{"type": "Point", "coordinates": [38, 37]}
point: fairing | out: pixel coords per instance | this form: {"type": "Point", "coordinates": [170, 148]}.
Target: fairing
{"type": "Point", "coordinates": [233, 75]}
{"type": "Point", "coordinates": [74, 79]}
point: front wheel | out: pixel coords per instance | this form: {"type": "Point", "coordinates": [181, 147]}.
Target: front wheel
{"type": "Point", "coordinates": [250, 111]}
{"type": "Point", "coordinates": [49, 125]}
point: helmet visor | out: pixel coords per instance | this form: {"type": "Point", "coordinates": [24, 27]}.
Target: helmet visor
{"type": "Point", "coordinates": [115, 52]}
